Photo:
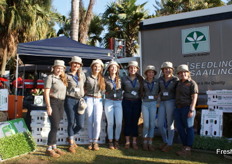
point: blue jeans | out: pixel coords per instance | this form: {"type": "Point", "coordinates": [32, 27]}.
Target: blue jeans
{"type": "Point", "coordinates": [94, 112]}
{"type": "Point", "coordinates": [113, 112]}
{"type": "Point", "coordinates": [149, 114]}
{"type": "Point", "coordinates": [184, 125]}
{"type": "Point", "coordinates": [131, 114]}
{"type": "Point", "coordinates": [166, 115]}
{"type": "Point", "coordinates": [75, 120]}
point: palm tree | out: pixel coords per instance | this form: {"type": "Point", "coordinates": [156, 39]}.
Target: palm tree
{"type": "Point", "coordinates": [75, 19]}
{"type": "Point", "coordinates": [95, 30]}
{"type": "Point", "coordinates": [23, 21]}
{"type": "Point", "coordinates": [122, 19]}
{"type": "Point", "coordinates": [167, 7]}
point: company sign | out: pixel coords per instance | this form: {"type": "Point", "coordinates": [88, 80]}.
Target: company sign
{"type": "Point", "coordinates": [195, 40]}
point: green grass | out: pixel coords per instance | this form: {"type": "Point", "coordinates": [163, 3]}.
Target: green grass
{"type": "Point", "coordinates": [105, 155]}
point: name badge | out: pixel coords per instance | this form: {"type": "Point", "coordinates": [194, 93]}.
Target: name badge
{"type": "Point", "coordinates": [77, 89]}
{"type": "Point", "coordinates": [165, 94]}
{"type": "Point", "coordinates": [134, 93]}
{"type": "Point", "coordinates": [115, 95]}
{"type": "Point", "coordinates": [150, 97]}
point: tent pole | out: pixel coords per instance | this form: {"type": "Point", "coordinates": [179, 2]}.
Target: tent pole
{"type": "Point", "coordinates": [16, 89]}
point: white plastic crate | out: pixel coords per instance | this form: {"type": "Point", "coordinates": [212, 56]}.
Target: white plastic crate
{"type": "Point", "coordinates": [211, 123]}
{"type": "Point", "coordinates": [224, 108]}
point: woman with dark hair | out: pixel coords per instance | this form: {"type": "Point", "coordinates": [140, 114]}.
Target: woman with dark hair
{"type": "Point", "coordinates": [94, 87]}
{"type": "Point", "coordinates": [54, 93]}
{"type": "Point", "coordinates": [131, 103]}
{"type": "Point", "coordinates": [75, 91]}
{"type": "Point", "coordinates": [186, 98]}
{"type": "Point", "coordinates": [113, 104]}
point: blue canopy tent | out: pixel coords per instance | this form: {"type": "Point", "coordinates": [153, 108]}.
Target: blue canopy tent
{"type": "Point", "coordinates": [44, 52]}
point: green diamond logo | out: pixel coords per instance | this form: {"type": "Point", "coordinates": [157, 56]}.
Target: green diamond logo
{"type": "Point", "coordinates": [195, 37]}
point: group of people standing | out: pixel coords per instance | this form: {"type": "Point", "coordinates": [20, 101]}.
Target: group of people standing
{"type": "Point", "coordinates": [124, 99]}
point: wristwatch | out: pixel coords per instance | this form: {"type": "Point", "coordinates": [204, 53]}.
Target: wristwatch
{"type": "Point", "coordinates": [191, 111]}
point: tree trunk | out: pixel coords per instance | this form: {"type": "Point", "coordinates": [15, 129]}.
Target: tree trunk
{"type": "Point", "coordinates": [75, 20]}
{"type": "Point", "coordinates": [84, 26]}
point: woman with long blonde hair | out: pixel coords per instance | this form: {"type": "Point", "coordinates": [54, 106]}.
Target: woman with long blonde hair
{"type": "Point", "coordinates": [94, 88]}
{"type": "Point", "coordinates": [113, 104]}
{"type": "Point", "coordinates": [54, 94]}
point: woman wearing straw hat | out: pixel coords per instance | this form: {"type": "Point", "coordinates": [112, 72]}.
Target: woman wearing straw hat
{"type": "Point", "coordinates": [149, 108]}
{"type": "Point", "coordinates": [94, 86]}
{"type": "Point", "coordinates": [54, 93]}
{"type": "Point", "coordinates": [113, 104]}
{"type": "Point", "coordinates": [131, 103]}
{"type": "Point", "coordinates": [167, 86]}
{"type": "Point", "coordinates": [186, 98]}
{"type": "Point", "coordinates": [75, 91]}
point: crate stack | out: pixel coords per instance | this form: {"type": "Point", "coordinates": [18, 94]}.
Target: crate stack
{"type": "Point", "coordinates": [40, 126]}
{"type": "Point", "coordinates": [219, 102]}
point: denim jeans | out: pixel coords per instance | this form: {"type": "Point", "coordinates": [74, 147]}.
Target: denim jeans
{"type": "Point", "coordinates": [166, 117]}
{"type": "Point", "coordinates": [131, 114]}
{"type": "Point", "coordinates": [113, 112]}
{"type": "Point", "coordinates": [149, 114]}
{"type": "Point", "coordinates": [94, 113]}
{"type": "Point", "coordinates": [75, 120]}
{"type": "Point", "coordinates": [57, 114]}
{"type": "Point", "coordinates": [184, 125]}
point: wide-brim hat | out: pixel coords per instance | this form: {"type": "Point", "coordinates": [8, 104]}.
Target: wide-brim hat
{"type": "Point", "coordinates": [150, 67]}
{"type": "Point", "coordinates": [97, 61]}
{"type": "Point", "coordinates": [167, 64]}
{"type": "Point", "coordinates": [133, 63]}
{"type": "Point", "coordinates": [59, 63]}
{"type": "Point", "coordinates": [82, 105]}
{"type": "Point", "coordinates": [76, 59]}
{"type": "Point", "coordinates": [113, 63]}
{"type": "Point", "coordinates": [182, 68]}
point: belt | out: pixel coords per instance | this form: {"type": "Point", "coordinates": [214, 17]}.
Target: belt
{"type": "Point", "coordinates": [114, 99]}
{"type": "Point", "coordinates": [131, 99]}
{"type": "Point", "coordinates": [73, 97]}
{"type": "Point", "coordinates": [94, 96]}
{"type": "Point", "coordinates": [182, 106]}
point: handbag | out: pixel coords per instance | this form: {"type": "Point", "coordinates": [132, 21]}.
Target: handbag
{"type": "Point", "coordinates": [81, 106]}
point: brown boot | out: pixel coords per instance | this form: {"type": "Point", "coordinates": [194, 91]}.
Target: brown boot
{"type": "Point", "coordinates": [167, 148]}
{"type": "Point", "coordinates": [186, 151]}
{"type": "Point", "coordinates": [90, 147]}
{"type": "Point", "coordinates": [52, 153]}
{"type": "Point", "coordinates": [71, 142]}
{"type": "Point", "coordinates": [135, 146]}
{"type": "Point", "coordinates": [145, 146]}
{"type": "Point", "coordinates": [116, 145]}
{"type": "Point", "coordinates": [162, 146]}
{"type": "Point", "coordinates": [95, 146]}
{"type": "Point", "coordinates": [111, 145]}
{"type": "Point", "coordinates": [151, 147]}
{"type": "Point", "coordinates": [60, 152]}
{"type": "Point", "coordinates": [72, 149]}
{"type": "Point", "coordinates": [127, 145]}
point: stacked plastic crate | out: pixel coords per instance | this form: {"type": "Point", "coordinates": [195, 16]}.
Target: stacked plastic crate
{"type": "Point", "coordinates": [40, 126]}
{"type": "Point", "coordinates": [219, 102]}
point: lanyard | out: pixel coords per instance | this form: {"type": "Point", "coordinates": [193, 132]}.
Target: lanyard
{"type": "Point", "coordinates": [75, 78]}
{"type": "Point", "coordinates": [133, 83]}
{"type": "Point", "coordinates": [114, 84]}
{"type": "Point", "coordinates": [166, 84]}
{"type": "Point", "coordinates": [150, 86]}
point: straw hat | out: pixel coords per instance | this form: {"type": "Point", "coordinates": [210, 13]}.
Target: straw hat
{"type": "Point", "coordinates": [167, 64]}
{"type": "Point", "coordinates": [58, 63]}
{"type": "Point", "coordinates": [97, 61]}
{"type": "Point", "coordinates": [112, 63]}
{"type": "Point", "coordinates": [76, 59]}
{"type": "Point", "coordinates": [133, 63]}
{"type": "Point", "coordinates": [182, 68]}
{"type": "Point", "coordinates": [150, 67]}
